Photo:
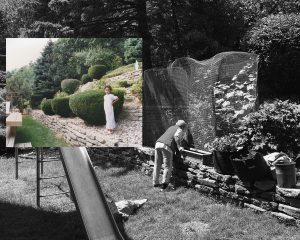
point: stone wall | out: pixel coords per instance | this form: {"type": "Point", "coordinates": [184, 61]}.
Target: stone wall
{"type": "Point", "coordinates": [128, 76]}
{"type": "Point", "coordinates": [76, 135]}
{"type": "Point", "coordinates": [191, 172]}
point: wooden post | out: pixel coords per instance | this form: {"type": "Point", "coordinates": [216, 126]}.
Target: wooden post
{"type": "Point", "coordinates": [17, 162]}
{"type": "Point", "coordinates": [38, 177]}
{"type": "Point", "coordinates": [42, 159]}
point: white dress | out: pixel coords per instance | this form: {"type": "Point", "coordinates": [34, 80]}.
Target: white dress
{"type": "Point", "coordinates": [109, 110]}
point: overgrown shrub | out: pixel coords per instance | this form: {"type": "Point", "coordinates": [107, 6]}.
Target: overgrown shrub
{"type": "Point", "coordinates": [136, 89]}
{"type": "Point", "coordinates": [97, 71]}
{"type": "Point", "coordinates": [70, 85]}
{"type": "Point", "coordinates": [88, 105]}
{"type": "Point", "coordinates": [60, 106]}
{"type": "Point", "coordinates": [276, 39]}
{"type": "Point", "coordinates": [275, 127]}
{"type": "Point", "coordinates": [46, 106]}
{"type": "Point", "coordinates": [124, 84]}
{"type": "Point", "coordinates": [85, 78]}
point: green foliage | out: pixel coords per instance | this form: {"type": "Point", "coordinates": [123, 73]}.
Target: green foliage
{"type": "Point", "coordinates": [276, 39]}
{"type": "Point", "coordinates": [124, 84]}
{"type": "Point", "coordinates": [275, 127]}
{"type": "Point", "coordinates": [19, 84]}
{"type": "Point", "coordinates": [60, 94]}
{"type": "Point", "coordinates": [89, 106]}
{"type": "Point", "coordinates": [45, 87]}
{"type": "Point", "coordinates": [137, 90]}
{"type": "Point", "coordinates": [85, 78]}
{"type": "Point", "coordinates": [97, 71]}
{"type": "Point", "coordinates": [46, 106]}
{"type": "Point", "coordinates": [70, 85]}
{"type": "Point", "coordinates": [60, 106]}
{"type": "Point", "coordinates": [235, 99]}
{"type": "Point", "coordinates": [133, 49]}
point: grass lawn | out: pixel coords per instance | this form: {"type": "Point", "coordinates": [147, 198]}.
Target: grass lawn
{"type": "Point", "coordinates": [181, 214]}
{"type": "Point", "coordinates": [38, 134]}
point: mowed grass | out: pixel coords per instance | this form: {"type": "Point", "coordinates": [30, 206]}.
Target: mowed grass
{"type": "Point", "coordinates": [21, 219]}
{"type": "Point", "coordinates": [39, 135]}
{"type": "Point", "coordinates": [180, 214]}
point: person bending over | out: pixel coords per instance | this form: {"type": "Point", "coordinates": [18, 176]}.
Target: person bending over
{"type": "Point", "coordinates": [165, 147]}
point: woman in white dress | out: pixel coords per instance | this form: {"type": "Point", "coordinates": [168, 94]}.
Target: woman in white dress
{"type": "Point", "coordinates": [109, 101]}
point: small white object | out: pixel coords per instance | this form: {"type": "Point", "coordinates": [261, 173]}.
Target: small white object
{"type": "Point", "coordinates": [136, 65]}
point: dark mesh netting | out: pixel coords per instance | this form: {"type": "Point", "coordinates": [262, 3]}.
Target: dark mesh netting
{"type": "Point", "coordinates": [211, 96]}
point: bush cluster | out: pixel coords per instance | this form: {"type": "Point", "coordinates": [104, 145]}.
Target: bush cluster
{"type": "Point", "coordinates": [124, 84]}
{"type": "Point", "coordinates": [46, 106]}
{"type": "Point", "coordinates": [275, 127]}
{"type": "Point", "coordinates": [70, 85]}
{"type": "Point", "coordinates": [60, 106]}
{"type": "Point", "coordinates": [89, 105]}
{"type": "Point", "coordinates": [276, 39]}
{"type": "Point", "coordinates": [97, 71]}
{"type": "Point", "coordinates": [85, 78]}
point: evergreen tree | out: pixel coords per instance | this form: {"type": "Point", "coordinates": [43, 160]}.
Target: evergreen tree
{"type": "Point", "coordinates": [45, 87]}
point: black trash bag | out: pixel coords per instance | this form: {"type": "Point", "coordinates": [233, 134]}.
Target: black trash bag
{"type": "Point", "coordinates": [251, 167]}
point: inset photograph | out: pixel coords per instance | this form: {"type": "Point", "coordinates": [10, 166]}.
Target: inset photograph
{"type": "Point", "coordinates": [73, 92]}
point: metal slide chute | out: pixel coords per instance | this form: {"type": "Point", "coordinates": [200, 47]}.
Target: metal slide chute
{"type": "Point", "coordinates": [88, 196]}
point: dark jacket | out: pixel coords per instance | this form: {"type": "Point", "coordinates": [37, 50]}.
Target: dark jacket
{"type": "Point", "coordinates": [168, 138]}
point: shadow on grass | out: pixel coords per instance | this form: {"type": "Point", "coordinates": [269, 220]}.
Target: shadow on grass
{"type": "Point", "coordinates": [28, 223]}
{"type": "Point", "coordinates": [25, 222]}
{"type": "Point", "coordinates": [106, 159]}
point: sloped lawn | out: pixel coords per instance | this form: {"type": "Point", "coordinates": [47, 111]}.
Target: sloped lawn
{"type": "Point", "coordinates": [38, 134]}
{"type": "Point", "coordinates": [178, 215]}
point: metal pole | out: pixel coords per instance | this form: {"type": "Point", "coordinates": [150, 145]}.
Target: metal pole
{"type": "Point", "coordinates": [17, 162]}
{"type": "Point", "coordinates": [42, 163]}
{"type": "Point", "coordinates": [38, 177]}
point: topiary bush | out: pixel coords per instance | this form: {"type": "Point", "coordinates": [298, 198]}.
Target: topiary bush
{"type": "Point", "coordinates": [124, 84]}
{"type": "Point", "coordinates": [85, 78]}
{"type": "Point", "coordinates": [70, 85]}
{"type": "Point", "coordinates": [276, 39]}
{"type": "Point", "coordinates": [89, 106]}
{"type": "Point", "coordinates": [275, 127]}
{"type": "Point", "coordinates": [60, 106]}
{"type": "Point", "coordinates": [97, 71]}
{"type": "Point", "coordinates": [46, 106]}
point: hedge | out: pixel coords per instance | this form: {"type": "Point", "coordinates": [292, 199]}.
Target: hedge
{"type": "Point", "coordinates": [85, 78]}
{"type": "Point", "coordinates": [60, 106]}
{"type": "Point", "coordinates": [46, 106]}
{"type": "Point", "coordinates": [275, 127]}
{"type": "Point", "coordinates": [97, 71]}
{"type": "Point", "coordinates": [89, 106]}
{"type": "Point", "coordinates": [276, 39]}
{"type": "Point", "coordinates": [70, 85]}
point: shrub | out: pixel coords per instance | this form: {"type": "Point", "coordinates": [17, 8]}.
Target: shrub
{"type": "Point", "coordinates": [276, 39]}
{"type": "Point", "coordinates": [60, 106]}
{"type": "Point", "coordinates": [275, 127]}
{"type": "Point", "coordinates": [46, 106]}
{"type": "Point", "coordinates": [97, 71]}
{"type": "Point", "coordinates": [85, 78]}
{"type": "Point", "coordinates": [60, 94]}
{"type": "Point", "coordinates": [124, 84]}
{"type": "Point", "coordinates": [70, 85]}
{"type": "Point", "coordinates": [137, 89]}
{"type": "Point", "coordinates": [88, 105]}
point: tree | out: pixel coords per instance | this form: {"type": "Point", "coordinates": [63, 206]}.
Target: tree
{"type": "Point", "coordinates": [133, 50]}
{"type": "Point", "coordinates": [19, 85]}
{"type": "Point", "coordinates": [45, 86]}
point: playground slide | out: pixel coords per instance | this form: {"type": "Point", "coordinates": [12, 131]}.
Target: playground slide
{"type": "Point", "coordinates": [89, 198]}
